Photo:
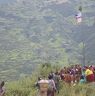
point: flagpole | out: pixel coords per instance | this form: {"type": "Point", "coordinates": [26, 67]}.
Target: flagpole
{"type": "Point", "coordinates": [83, 51]}
{"type": "Point", "coordinates": [79, 21]}
{"type": "Point", "coordinates": [83, 42]}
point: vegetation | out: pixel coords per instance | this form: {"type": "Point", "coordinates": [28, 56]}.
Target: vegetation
{"type": "Point", "coordinates": [25, 86]}
{"type": "Point", "coordinates": [33, 32]}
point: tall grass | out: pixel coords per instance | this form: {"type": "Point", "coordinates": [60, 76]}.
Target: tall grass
{"type": "Point", "coordinates": [25, 86]}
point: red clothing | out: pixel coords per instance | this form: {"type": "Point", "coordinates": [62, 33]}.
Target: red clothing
{"type": "Point", "coordinates": [90, 78]}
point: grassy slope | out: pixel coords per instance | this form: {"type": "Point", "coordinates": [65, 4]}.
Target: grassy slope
{"type": "Point", "coordinates": [25, 86]}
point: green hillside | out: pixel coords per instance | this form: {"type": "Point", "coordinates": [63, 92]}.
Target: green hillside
{"type": "Point", "coordinates": [33, 32]}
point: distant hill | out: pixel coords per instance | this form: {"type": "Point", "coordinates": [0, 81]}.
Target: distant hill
{"type": "Point", "coordinates": [33, 32]}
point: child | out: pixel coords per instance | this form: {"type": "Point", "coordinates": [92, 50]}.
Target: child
{"type": "Point", "coordinates": [82, 80]}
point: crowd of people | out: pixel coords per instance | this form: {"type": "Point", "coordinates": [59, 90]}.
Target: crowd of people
{"type": "Point", "coordinates": [72, 75]}
{"type": "Point", "coordinates": [78, 74]}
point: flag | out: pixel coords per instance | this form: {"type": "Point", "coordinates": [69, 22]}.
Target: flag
{"type": "Point", "coordinates": [79, 17]}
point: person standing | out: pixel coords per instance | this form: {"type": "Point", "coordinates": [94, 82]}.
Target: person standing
{"type": "Point", "coordinates": [89, 75]}
{"type": "Point", "coordinates": [43, 86]}
{"type": "Point", "coordinates": [51, 87]}
{"type": "Point", "coordinates": [56, 79]}
{"type": "Point", "coordinates": [2, 89]}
